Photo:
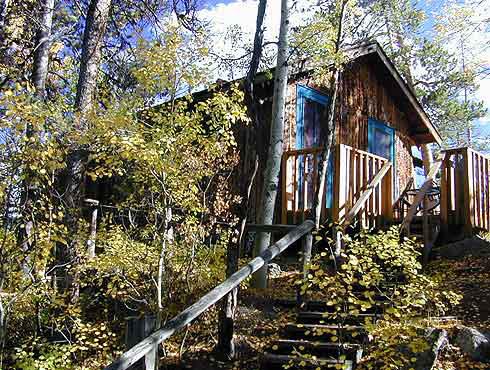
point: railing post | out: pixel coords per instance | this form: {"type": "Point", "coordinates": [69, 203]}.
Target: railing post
{"type": "Point", "coordinates": [468, 192]}
{"type": "Point", "coordinates": [138, 329]}
{"type": "Point", "coordinates": [339, 193]}
{"type": "Point", "coordinates": [444, 196]}
{"type": "Point", "coordinates": [426, 232]}
{"type": "Point", "coordinates": [387, 193]}
{"type": "Point", "coordinates": [307, 247]}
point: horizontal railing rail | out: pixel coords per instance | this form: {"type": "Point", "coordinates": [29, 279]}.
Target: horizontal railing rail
{"type": "Point", "coordinates": [131, 356]}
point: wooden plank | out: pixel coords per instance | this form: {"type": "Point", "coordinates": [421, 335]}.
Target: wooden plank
{"type": "Point", "coordinates": [487, 190]}
{"type": "Point", "coordinates": [315, 172]}
{"type": "Point", "coordinates": [476, 186]}
{"type": "Point", "coordinates": [419, 197]}
{"type": "Point", "coordinates": [295, 185]}
{"type": "Point", "coordinates": [341, 176]}
{"type": "Point", "coordinates": [444, 196]}
{"type": "Point", "coordinates": [468, 192]}
{"type": "Point", "coordinates": [388, 195]}
{"type": "Point", "coordinates": [352, 178]}
{"type": "Point", "coordinates": [185, 317]}
{"type": "Point", "coordinates": [366, 194]}
{"type": "Point", "coordinates": [304, 184]}
{"type": "Point", "coordinates": [336, 185]}
{"type": "Point", "coordinates": [277, 228]}
{"type": "Point", "coordinates": [364, 215]}
{"type": "Point", "coordinates": [370, 198]}
{"type": "Point", "coordinates": [284, 208]}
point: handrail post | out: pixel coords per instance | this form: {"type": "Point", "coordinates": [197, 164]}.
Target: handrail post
{"type": "Point", "coordinates": [444, 196]}
{"type": "Point", "coordinates": [426, 232]}
{"type": "Point", "coordinates": [468, 192]}
{"type": "Point", "coordinates": [307, 247]}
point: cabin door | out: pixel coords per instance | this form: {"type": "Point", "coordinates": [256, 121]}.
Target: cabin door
{"type": "Point", "coordinates": [310, 108]}
{"type": "Point", "coordinates": [381, 141]}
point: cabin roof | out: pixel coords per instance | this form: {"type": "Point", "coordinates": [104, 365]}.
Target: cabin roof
{"type": "Point", "coordinates": [422, 130]}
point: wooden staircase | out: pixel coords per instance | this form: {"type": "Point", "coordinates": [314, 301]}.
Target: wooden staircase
{"type": "Point", "coordinates": [320, 337]}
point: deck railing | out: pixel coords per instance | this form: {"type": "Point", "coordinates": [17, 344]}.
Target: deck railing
{"type": "Point", "coordinates": [147, 346]}
{"type": "Point", "coordinates": [299, 179]}
{"type": "Point", "coordinates": [465, 193]}
{"type": "Point", "coordinates": [353, 170]}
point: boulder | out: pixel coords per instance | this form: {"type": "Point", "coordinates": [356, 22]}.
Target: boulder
{"type": "Point", "coordinates": [474, 343]}
{"type": "Point", "coordinates": [437, 339]}
{"type": "Point", "coordinates": [476, 246]}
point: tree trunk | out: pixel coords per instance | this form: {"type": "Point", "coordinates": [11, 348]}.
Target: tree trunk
{"type": "Point", "coordinates": [41, 53]}
{"type": "Point", "coordinates": [426, 157]}
{"type": "Point", "coordinates": [328, 135]}
{"type": "Point", "coordinates": [3, 329]}
{"type": "Point", "coordinates": [93, 36]}
{"type": "Point", "coordinates": [273, 165]}
{"type": "Point", "coordinates": [38, 78]}
{"type": "Point", "coordinates": [225, 348]}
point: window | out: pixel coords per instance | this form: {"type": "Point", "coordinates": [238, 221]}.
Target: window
{"type": "Point", "coordinates": [310, 107]}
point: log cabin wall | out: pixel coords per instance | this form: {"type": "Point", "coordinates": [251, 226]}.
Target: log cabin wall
{"type": "Point", "coordinates": [362, 95]}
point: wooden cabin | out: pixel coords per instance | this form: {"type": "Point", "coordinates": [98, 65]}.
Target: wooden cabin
{"type": "Point", "coordinates": [371, 171]}
{"type": "Point", "coordinates": [378, 121]}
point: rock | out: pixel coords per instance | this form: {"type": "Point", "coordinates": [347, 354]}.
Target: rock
{"type": "Point", "coordinates": [475, 343]}
{"type": "Point", "coordinates": [274, 270]}
{"type": "Point", "coordinates": [475, 246]}
{"type": "Point", "coordinates": [436, 339]}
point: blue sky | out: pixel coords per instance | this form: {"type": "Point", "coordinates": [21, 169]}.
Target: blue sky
{"type": "Point", "coordinates": [225, 13]}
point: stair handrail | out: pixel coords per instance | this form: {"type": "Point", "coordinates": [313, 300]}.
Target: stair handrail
{"type": "Point", "coordinates": [398, 203]}
{"type": "Point", "coordinates": [420, 195]}
{"type": "Point", "coordinates": [364, 197]}
{"type": "Point", "coordinates": [131, 356]}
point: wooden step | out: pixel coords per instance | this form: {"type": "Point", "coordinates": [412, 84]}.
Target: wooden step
{"type": "Point", "coordinates": [328, 333]}
{"type": "Point", "coordinates": [272, 362]}
{"type": "Point", "coordinates": [351, 352]}
{"type": "Point", "coordinates": [319, 317]}
{"type": "Point", "coordinates": [322, 306]}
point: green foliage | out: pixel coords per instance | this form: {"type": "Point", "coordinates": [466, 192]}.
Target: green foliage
{"type": "Point", "coordinates": [158, 246]}
{"type": "Point", "coordinates": [379, 270]}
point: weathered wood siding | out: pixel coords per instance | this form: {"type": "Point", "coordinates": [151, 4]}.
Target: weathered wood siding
{"type": "Point", "coordinates": [362, 95]}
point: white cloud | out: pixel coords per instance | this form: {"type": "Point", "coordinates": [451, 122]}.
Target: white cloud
{"type": "Point", "coordinates": [243, 13]}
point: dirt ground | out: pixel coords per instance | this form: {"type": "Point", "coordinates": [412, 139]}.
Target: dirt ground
{"type": "Point", "coordinates": [258, 319]}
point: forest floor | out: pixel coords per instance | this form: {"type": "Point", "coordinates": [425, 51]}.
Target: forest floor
{"type": "Point", "coordinates": [470, 277]}
{"type": "Point", "coordinates": [259, 320]}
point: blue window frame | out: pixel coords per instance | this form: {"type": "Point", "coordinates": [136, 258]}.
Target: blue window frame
{"type": "Point", "coordinates": [381, 139]}
{"type": "Point", "coordinates": [309, 106]}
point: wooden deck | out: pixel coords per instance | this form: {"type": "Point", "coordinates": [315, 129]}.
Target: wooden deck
{"type": "Point", "coordinates": [465, 191]}
{"type": "Point", "coordinates": [354, 183]}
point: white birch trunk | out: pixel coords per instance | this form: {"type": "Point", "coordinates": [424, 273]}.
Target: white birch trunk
{"type": "Point", "coordinates": [43, 42]}
{"type": "Point", "coordinates": [273, 165]}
